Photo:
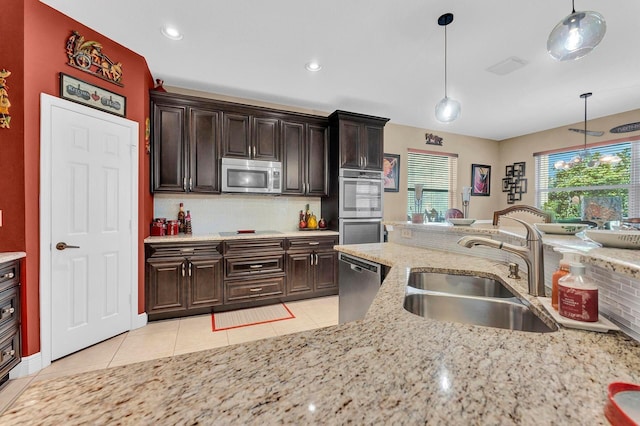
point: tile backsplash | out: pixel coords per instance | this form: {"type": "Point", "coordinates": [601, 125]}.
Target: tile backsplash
{"type": "Point", "coordinates": [229, 212]}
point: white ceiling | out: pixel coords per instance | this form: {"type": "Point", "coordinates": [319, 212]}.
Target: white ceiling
{"type": "Point", "coordinates": [383, 57]}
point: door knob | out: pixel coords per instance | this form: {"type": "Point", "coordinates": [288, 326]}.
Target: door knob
{"type": "Point", "coordinates": [63, 245]}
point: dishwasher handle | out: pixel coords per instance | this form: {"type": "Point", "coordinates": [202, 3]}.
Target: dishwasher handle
{"type": "Point", "coordinates": [359, 265]}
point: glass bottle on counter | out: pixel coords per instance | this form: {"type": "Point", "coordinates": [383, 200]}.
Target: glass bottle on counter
{"type": "Point", "coordinates": [181, 218]}
{"type": "Point", "coordinates": [187, 223]}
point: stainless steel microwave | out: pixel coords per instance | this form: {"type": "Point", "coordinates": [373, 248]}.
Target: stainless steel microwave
{"type": "Point", "coordinates": [251, 176]}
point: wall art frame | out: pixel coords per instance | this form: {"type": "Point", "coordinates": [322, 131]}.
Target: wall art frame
{"type": "Point", "coordinates": [391, 172]}
{"type": "Point", "coordinates": [480, 180]}
{"type": "Point", "coordinates": [76, 90]}
{"type": "Point", "coordinates": [514, 184]}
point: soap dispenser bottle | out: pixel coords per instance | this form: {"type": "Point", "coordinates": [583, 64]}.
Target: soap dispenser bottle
{"type": "Point", "coordinates": [578, 295]}
{"type": "Point", "coordinates": [568, 257]}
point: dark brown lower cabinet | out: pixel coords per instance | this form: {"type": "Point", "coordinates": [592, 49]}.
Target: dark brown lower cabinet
{"type": "Point", "coordinates": [193, 278]}
{"type": "Point", "coordinates": [312, 266]}
{"type": "Point", "coordinates": [10, 335]}
{"type": "Point", "coordinates": [182, 280]}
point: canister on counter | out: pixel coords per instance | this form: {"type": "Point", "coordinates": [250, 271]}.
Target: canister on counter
{"type": "Point", "coordinates": [173, 227]}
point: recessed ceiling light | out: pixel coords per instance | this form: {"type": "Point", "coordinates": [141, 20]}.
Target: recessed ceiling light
{"type": "Point", "coordinates": [172, 33]}
{"type": "Point", "coordinates": [313, 66]}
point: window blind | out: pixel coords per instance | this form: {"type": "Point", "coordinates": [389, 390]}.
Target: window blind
{"type": "Point", "coordinates": [437, 172]}
{"type": "Point", "coordinates": [560, 190]}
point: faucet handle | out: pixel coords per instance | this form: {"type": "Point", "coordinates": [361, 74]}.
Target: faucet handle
{"type": "Point", "coordinates": [532, 232]}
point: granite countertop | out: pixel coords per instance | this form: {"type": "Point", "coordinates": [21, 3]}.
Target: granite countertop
{"type": "Point", "coordinates": [391, 368]}
{"type": "Point", "coordinates": [11, 255]}
{"type": "Point", "coordinates": [217, 237]}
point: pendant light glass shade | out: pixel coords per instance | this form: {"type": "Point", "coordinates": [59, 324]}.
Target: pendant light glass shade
{"type": "Point", "coordinates": [447, 110]}
{"type": "Point", "coordinates": [576, 35]}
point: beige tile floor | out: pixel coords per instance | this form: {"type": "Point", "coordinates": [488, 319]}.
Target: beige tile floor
{"type": "Point", "coordinates": [173, 337]}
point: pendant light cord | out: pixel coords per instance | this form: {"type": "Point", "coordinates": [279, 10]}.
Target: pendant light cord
{"type": "Point", "coordinates": [585, 125]}
{"type": "Point", "coordinates": [445, 61]}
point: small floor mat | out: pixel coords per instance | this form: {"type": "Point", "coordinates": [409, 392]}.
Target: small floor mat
{"type": "Point", "coordinates": [251, 316]}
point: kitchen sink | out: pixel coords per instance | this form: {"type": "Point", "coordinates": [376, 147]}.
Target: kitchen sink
{"type": "Point", "coordinates": [467, 285]}
{"type": "Point", "coordinates": [488, 312]}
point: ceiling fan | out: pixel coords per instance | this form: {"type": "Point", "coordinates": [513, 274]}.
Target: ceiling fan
{"type": "Point", "coordinates": [587, 132]}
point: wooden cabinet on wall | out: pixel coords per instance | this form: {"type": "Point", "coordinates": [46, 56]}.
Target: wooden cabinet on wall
{"type": "Point", "coordinates": [191, 134]}
{"type": "Point", "coordinates": [312, 266]}
{"type": "Point", "coordinates": [305, 158]}
{"type": "Point", "coordinates": [250, 136]}
{"type": "Point", "coordinates": [359, 140]}
{"type": "Point", "coordinates": [184, 144]}
{"type": "Point", "coordinates": [182, 279]}
{"type": "Point", "coordinates": [10, 335]}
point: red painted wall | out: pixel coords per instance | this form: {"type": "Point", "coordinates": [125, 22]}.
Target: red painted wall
{"type": "Point", "coordinates": [37, 36]}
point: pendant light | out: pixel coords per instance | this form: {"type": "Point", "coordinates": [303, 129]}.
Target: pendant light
{"type": "Point", "coordinates": [447, 109]}
{"type": "Point", "coordinates": [576, 35]}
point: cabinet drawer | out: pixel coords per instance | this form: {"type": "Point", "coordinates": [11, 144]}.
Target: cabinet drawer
{"type": "Point", "coordinates": [187, 249]}
{"type": "Point", "coordinates": [236, 267]}
{"type": "Point", "coordinates": [263, 245]}
{"type": "Point", "coordinates": [9, 350]}
{"type": "Point", "coordinates": [313, 243]}
{"type": "Point", "coordinates": [9, 274]}
{"type": "Point", "coordinates": [9, 309]}
{"type": "Point", "coordinates": [246, 290]}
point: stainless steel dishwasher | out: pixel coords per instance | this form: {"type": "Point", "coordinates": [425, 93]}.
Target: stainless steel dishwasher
{"type": "Point", "coordinates": [359, 281]}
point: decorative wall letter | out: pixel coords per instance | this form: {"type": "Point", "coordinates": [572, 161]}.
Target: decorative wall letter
{"type": "Point", "coordinates": [515, 183]}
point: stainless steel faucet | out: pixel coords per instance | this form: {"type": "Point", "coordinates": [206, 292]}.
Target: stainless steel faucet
{"type": "Point", "coordinates": [532, 254]}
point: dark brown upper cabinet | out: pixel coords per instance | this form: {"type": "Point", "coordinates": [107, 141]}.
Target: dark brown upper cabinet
{"type": "Point", "coordinates": [359, 139]}
{"type": "Point", "coordinates": [250, 137]}
{"type": "Point", "coordinates": [305, 158]}
{"type": "Point", "coordinates": [190, 134]}
{"type": "Point", "coordinates": [184, 145]}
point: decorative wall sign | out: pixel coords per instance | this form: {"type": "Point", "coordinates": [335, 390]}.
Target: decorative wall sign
{"type": "Point", "coordinates": [391, 172]}
{"type": "Point", "coordinates": [480, 179]}
{"type": "Point", "coordinates": [432, 139]}
{"type": "Point", "coordinates": [626, 128]}
{"type": "Point", "coordinates": [515, 183]}
{"type": "Point", "coordinates": [88, 57]}
{"type": "Point", "coordinates": [5, 118]}
{"type": "Point", "coordinates": [87, 94]}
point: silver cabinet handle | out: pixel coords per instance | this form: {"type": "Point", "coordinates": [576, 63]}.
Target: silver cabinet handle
{"type": "Point", "coordinates": [183, 269]}
{"type": "Point", "coordinates": [8, 275]}
{"type": "Point", "coordinates": [311, 259]}
{"type": "Point", "coordinates": [190, 268]}
{"type": "Point", "coordinates": [365, 162]}
{"type": "Point", "coordinates": [255, 266]}
{"type": "Point", "coordinates": [190, 184]}
{"type": "Point", "coordinates": [62, 245]}
{"type": "Point", "coordinates": [184, 183]}
{"type": "Point", "coordinates": [255, 290]}
{"type": "Point", "coordinates": [316, 260]}
{"type": "Point", "coordinates": [8, 311]}
{"type": "Point", "coordinates": [314, 243]}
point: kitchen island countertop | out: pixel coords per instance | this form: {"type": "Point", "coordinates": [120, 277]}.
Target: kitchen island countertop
{"type": "Point", "coordinates": [391, 368]}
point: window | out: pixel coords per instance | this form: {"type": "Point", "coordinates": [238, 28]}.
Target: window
{"type": "Point", "coordinates": [437, 172]}
{"type": "Point", "coordinates": [566, 181]}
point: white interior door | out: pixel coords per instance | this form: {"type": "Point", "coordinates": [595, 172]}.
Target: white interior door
{"type": "Point", "coordinates": [92, 208]}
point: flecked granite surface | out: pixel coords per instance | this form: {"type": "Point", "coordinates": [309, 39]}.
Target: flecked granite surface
{"type": "Point", "coordinates": [391, 368]}
{"type": "Point", "coordinates": [12, 255]}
